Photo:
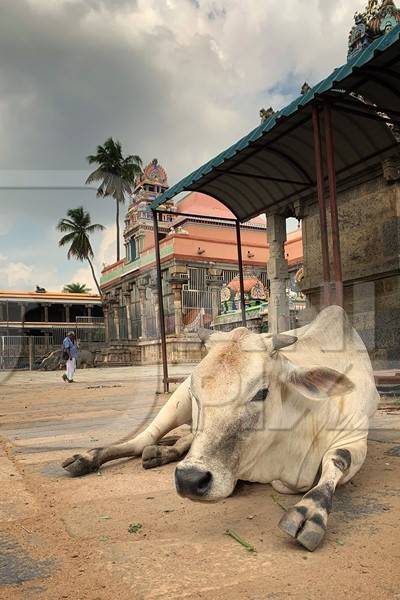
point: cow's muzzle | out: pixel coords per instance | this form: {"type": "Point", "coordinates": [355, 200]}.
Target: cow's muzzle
{"type": "Point", "coordinates": [192, 482]}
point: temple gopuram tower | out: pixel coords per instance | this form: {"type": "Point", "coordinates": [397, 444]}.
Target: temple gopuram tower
{"type": "Point", "coordinates": [139, 220]}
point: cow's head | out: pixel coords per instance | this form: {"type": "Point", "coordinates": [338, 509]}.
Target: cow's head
{"type": "Point", "coordinates": [238, 395]}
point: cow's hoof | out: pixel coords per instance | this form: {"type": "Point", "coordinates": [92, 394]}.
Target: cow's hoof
{"type": "Point", "coordinates": [311, 535]}
{"type": "Point", "coordinates": [308, 531]}
{"type": "Point", "coordinates": [78, 465]}
{"type": "Point", "coordinates": [155, 456]}
{"type": "Point", "coordinates": [152, 457]}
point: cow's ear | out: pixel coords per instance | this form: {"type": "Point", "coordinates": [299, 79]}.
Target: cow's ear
{"type": "Point", "coordinates": [319, 383]}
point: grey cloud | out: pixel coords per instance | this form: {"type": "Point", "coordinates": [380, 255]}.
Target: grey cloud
{"type": "Point", "coordinates": [65, 89]}
{"type": "Point", "coordinates": [66, 92]}
{"type": "Point", "coordinates": [168, 82]}
{"type": "Point", "coordinates": [111, 5]}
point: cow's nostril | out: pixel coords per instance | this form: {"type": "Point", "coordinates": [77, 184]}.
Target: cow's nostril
{"type": "Point", "coordinates": [192, 482]}
{"type": "Point", "coordinates": [204, 483]}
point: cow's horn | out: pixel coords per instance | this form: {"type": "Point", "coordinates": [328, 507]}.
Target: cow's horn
{"type": "Point", "coordinates": [282, 340]}
{"type": "Point", "coordinates": [204, 334]}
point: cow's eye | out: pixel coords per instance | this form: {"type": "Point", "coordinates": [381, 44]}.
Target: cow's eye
{"type": "Point", "coordinates": [261, 395]}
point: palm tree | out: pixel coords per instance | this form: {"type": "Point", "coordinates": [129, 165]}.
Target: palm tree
{"type": "Point", "coordinates": [116, 173]}
{"type": "Point", "coordinates": [76, 288]}
{"type": "Point", "coordinates": [78, 228]}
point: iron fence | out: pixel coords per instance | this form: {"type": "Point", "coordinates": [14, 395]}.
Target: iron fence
{"type": "Point", "coordinates": [196, 299]}
{"type": "Point", "coordinates": [26, 351]}
{"type": "Point", "coordinates": [23, 352]}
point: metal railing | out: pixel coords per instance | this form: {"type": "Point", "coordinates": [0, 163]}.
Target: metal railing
{"type": "Point", "coordinates": [196, 299]}
{"type": "Point", "coordinates": [90, 320]}
{"type": "Point", "coordinates": [23, 352]}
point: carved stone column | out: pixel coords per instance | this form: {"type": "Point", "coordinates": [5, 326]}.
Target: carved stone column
{"type": "Point", "coordinates": [278, 306]}
{"type": "Point", "coordinates": [89, 310]}
{"type": "Point", "coordinates": [152, 285]}
{"type": "Point", "coordinates": [177, 276]}
{"type": "Point", "coordinates": [127, 289]}
{"type": "Point", "coordinates": [116, 319]}
{"type": "Point", "coordinates": [154, 292]}
{"type": "Point", "coordinates": [142, 302]}
{"type": "Point", "coordinates": [115, 304]}
{"type": "Point", "coordinates": [106, 310]}
{"type": "Point", "coordinates": [214, 281]}
{"type": "Point", "coordinates": [177, 293]}
{"type": "Point", "coordinates": [46, 312]}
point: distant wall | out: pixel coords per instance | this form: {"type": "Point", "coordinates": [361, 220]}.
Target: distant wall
{"type": "Point", "coordinates": [179, 351]}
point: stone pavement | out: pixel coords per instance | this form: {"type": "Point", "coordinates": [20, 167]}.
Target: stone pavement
{"type": "Point", "coordinates": [69, 538]}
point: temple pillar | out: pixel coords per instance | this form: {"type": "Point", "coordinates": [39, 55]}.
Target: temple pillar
{"type": "Point", "coordinates": [143, 315]}
{"type": "Point", "coordinates": [214, 281]}
{"type": "Point", "coordinates": [67, 313]}
{"type": "Point", "coordinates": [127, 303]}
{"type": "Point", "coordinates": [46, 313]}
{"type": "Point", "coordinates": [177, 293]}
{"type": "Point", "coordinates": [106, 324]}
{"type": "Point", "coordinates": [115, 314]}
{"type": "Point", "coordinates": [89, 310]}
{"type": "Point", "coordinates": [177, 276]}
{"type": "Point", "coordinates": [278, 306]}
{"type": "Point", "coordinates": [152, 285]}
{"type": "Point", "coordinates": [156, 311]}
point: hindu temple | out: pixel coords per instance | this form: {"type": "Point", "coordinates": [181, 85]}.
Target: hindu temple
{"type": "Point", "coordinates": [200, 269]}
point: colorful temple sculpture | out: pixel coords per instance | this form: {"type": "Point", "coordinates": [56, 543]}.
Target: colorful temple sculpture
{"type": "Point", "coordinates": [375, 21]}
{"type": "Point", "coordinates": [256, 303]}
{"type": "Point", "coordinates": [254, 293]}
{"type": "Point", "coordinates": [199, 262]}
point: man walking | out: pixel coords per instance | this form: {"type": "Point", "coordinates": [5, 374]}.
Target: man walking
{"type": "Point", "coordinates": [70, 354]}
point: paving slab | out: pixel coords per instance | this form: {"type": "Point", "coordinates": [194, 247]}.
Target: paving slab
{"type": "Point", "coordinates": [18, 566]}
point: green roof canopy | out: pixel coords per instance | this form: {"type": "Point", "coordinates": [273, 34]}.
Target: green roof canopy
{"type": "Point", "coordinates": [274, 163]}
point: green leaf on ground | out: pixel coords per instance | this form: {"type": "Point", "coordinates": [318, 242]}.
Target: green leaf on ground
{"type": "Point", "coordinates": [240, 540]}
{"type": "Point", "coordinates": [278, 502]}
{"type": "Point", "coordinates": [134, 527]}
{"type": "Point", "coordinates": [104, 517]}
{"type": "Point", "coordinates": [104, 538]}
{"type": "Point", "coordinates": [339, 542]}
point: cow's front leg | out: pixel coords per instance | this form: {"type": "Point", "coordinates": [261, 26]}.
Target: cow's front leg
{"type": "Point", "coordinates": [307, 520]}
{"type": "Point", "coordinates": [155, 456]}
{"type": "Point", "coordinates": [176, 412]}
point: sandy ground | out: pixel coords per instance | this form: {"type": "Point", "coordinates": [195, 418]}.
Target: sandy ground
{"type": "Point", "coordinates": [69, 538]}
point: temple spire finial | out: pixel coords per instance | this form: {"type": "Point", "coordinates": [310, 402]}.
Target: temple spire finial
{"type": "Point", "coordinates": [374, 22]}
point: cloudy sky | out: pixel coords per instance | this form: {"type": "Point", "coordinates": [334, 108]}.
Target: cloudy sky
{"type": "Point", "coordinates": [179, 80]}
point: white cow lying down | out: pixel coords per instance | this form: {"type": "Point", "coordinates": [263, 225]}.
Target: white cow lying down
{"type": "Point", "coordinates": [291, 410]}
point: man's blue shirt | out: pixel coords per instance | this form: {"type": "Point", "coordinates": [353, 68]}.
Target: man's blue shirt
{"type": "Point", "coordinates": [68, 344]}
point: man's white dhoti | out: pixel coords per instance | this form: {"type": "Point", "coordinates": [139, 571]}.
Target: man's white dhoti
{"type": "Point", "coordinates": [71, 366]}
